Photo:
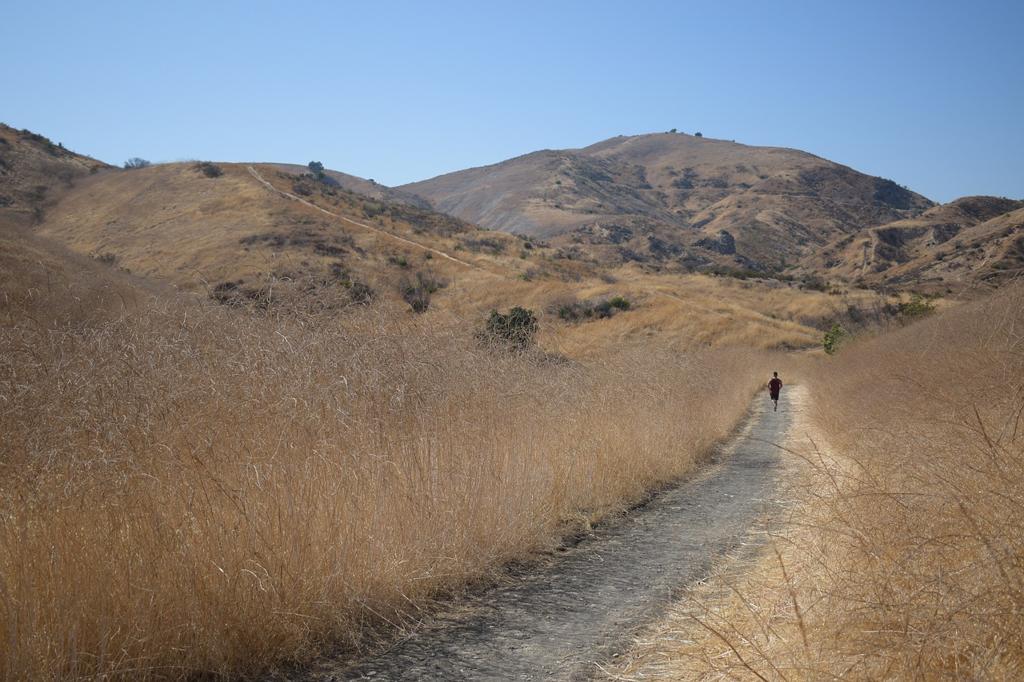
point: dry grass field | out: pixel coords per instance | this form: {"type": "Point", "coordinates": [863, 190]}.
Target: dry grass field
{"type": "Point", "coordinates": [903, 557]}
{"type": "Point", "coordinates": [189, 488]}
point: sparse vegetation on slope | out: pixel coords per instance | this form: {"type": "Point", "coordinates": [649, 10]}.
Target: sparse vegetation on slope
{"type": "Point", "coordinates": [955, 246]}
{"type": "Point", "coordinates": [674, 201]}
{"type": "Point", "coordinates": [579, 311]}
{"type": "Point", "coordinates": [34, 173]}
{"type": "Point", "coordinates": [232, 238]}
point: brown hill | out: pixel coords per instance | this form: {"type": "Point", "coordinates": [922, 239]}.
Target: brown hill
{"type": "Point", "coordinates": [359, 185]}
{"type": "Point", "coordinates": [258, 236]}
{"type": "Point", "coordinates": [969, 240]}
{"type": "Point", "coordinates": [34, 172]}
{"type": "Point", "coordinates": [674, 198]}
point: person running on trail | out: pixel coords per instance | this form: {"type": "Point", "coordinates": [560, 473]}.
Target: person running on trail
{"type": "Point", "coordinates": [774, 386]}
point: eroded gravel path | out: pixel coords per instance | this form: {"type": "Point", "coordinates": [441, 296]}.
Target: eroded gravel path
{"type": "Point", "coordinates": [560, 621]}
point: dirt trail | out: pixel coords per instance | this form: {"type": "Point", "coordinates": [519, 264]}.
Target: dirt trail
{"type": "Point", "coordinates": [408, 242]}
{"type": "Point", "coordinates": [562, 620]}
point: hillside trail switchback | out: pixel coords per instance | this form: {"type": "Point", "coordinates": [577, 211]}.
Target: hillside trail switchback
{"type": "Point", "coordinates": [563, 618]}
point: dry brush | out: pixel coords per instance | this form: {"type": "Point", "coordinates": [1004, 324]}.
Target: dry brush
{"type": "Point", "coordinates": [903, 555]}
{"type": "Point", "coordinates": [187, 489]}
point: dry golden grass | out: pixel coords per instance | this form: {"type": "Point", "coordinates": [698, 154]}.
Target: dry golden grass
{"type": "Point", "coordinates": [672, 312]}
{"type": "Point", "coordinates": [173, 223]}
{"type": "Point", "coordinates": [189, 489]}
{"type": "Point", "coordinates": [35, 173]}
{"type": "Point", "coordinates": [48, 285]}
{"type": "Point", "coordinates": [903, 556]}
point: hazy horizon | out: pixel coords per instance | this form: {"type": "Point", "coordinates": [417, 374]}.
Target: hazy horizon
{"type": "Point", "coordinates": [927, 94]}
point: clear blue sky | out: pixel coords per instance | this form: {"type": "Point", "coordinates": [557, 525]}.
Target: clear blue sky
{"type": "Point", "coordinates": [930, 94]}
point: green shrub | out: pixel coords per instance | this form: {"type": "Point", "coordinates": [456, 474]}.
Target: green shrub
{"type": "Point", "coordinates": [515, 329]}
{"type": "Point", "coordinates": [620, 302]}
{"type": "Point", "coordinates": [917, 306]}
{"type": "Point", "coordinates": [136, 162]}
{"type": "Point", "coordinates": [372, 209]}
{"type": "Point", "coordinates": [579, 311]}
{"type": "Point", "coordinates": [834, 338]}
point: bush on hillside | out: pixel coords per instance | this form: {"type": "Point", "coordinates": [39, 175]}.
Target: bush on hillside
{"type": "Point", "coordinates": [814, 283]}
{"type": "Point", "coordinates": [834, 338]}
{"type": "Point", "coordinates": [917, 306]}
{"type": "Point", "coordinates": [317, 169]}
{"type": "Point", "coordinates": [210, 170]}
{"type": "Point", "coordinates": [360, 293]}
{"type": "Point", "coordinates": [372, 209]}
{"type": "Point", "coordinates": [619, 303]}
{"type": "Point", "coordinates": [515, 329]}
{"type": "Point", "coordinates": [488, 244]}
{"type": "Point", "coordinates": [581, 311]}
{"type": "Point", "coordinates": [136, 162]}
{"type": "Point", "coordinates": [417, 291]}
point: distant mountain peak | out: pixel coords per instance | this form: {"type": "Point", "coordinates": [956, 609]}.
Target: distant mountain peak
{"type": "Point", "coordinates": [674, 193]}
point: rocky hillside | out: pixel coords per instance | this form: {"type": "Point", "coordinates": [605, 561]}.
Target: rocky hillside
{"type": "Point", "coordinates": [967, 241]}
{"type": "Point", "coordinates": [672, 198]}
